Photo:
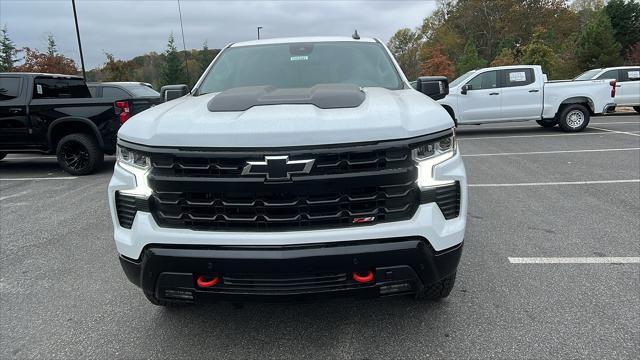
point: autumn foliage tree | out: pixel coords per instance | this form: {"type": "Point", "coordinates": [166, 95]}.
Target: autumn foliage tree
{"type": "Point", "coordinates": [436, 62]}
{"type": "Point", "coordinates": [50, 61]}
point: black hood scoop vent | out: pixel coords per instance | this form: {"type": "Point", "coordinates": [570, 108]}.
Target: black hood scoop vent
{"type": "Point", "coordinates": [324, 96]}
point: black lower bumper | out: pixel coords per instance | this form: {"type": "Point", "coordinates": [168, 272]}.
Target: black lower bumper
{"type": "Point", "coordinates": [290, 273]}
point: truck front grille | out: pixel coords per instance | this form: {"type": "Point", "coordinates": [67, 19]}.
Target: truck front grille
{"type": "Point", "coordinates": [347, 186]}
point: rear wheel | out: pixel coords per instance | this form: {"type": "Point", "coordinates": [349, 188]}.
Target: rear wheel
{"type": "Point", "coordinates": [2, 155]}
{"type": "Point", "coordinates": [547, 123]}
{"type": "Point", "coordinates": [637, 109]}
{"type": "Point", "coordinates": [573, 118]}
{"type": "Point", "coordinates": [439, 290]}
{"type": "Point", "coordinates": [79, 154]}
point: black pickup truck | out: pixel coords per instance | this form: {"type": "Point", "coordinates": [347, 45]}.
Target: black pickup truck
{"type": "Point", "coordinates": [55, 114]}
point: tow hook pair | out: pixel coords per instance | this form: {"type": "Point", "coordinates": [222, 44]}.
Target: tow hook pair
{"type": "Point", "coordinates": [207, 281]}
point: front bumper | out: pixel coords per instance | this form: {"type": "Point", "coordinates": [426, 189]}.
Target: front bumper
{"type": "Point", "coordinates": [290, 273]}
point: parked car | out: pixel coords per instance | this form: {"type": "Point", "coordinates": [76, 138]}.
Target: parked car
{"type": "Point", "coordinates": [55, 114]}
{"type": "Point", "coordinates": [627, 83]}
{"type": "Point", "coordinates": [299, 168]}
{"type": "Point", "coordinates": [522, 93]}
{"type": "Point", "coordinates": [139, 95]}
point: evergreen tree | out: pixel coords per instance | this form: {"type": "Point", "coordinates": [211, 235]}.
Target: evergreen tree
{"type": "Point", "coordinates": [597, 47]}
{"type": "Point", "coordinates": [538, 53]}
{"type": "Point", "coordinates": [52, 49]}
{"type": "Point", "coordinates": [173, 70]}
{"type": "Point", "coordinates": [470, 59]}
{"type": "Point", "coordinates": [7, 51]}
{"type": "Point", "coordinates": [625, 20]}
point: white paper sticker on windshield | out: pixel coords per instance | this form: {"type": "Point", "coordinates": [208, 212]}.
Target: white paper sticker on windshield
{"type": "Point", "coordinates": [634, 74]}
{"type": "Point", "coordinates": [517, 76]}
{"type": "Point", "coordinates": [299, 58]}
{"type": "Point", "coordinates": [39, 89]}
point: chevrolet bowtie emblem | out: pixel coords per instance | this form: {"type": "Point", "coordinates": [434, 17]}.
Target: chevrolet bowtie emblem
{"type": "Point", "coordinates": [277, 167]}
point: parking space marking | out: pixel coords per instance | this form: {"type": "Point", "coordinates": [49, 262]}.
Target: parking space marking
{"type": "Point", "coordinates": [39, 178]}
{"type": "Point", "coordinates": [634, 133]}
{"type": "Point", "coordinates": [551, 152]}
{"type": "Point", "coordinates": [605, 132]}
{"type": "Point", "coordinates": [492, 127]}
{"type": "Point", "coordinates": [575, 260]}
{"type": "Point", "coordinates": [14, 195]}
{"type": "Point", "coordinates": [30, 158]}
{"type": "Point", "coordinates": [559, 183]}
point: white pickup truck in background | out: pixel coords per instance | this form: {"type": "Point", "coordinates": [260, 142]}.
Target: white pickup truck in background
{"type": "Point", "coordinates": [627, 83]}
{"type": "Point", "coordinates": [522, 93]}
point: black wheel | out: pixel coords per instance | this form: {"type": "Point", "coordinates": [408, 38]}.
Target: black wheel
{"type": "Point", "coordinates": [2, 155]}
{"type": "Point", "coordinates": [439, 290]}
{"type": "Point", "coordinates": [547, 123]}
{"type": "Point", "coordinates": [573, 118]}
{"type": "Point", "coordinates": [79, 154]}
{"type": "Point", "coordinates": [165, 303]}
{"type": "Point", "coordinates": [637, 109]}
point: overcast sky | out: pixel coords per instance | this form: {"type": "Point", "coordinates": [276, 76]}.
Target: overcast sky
{"type": "Point", "coordinates": [130, 28]}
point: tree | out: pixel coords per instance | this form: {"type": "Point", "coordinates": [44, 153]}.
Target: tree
{"type": "Point", "coordinates": [632, 56]}
{"type": "Point", "coordinates": [436, 62]}
{"type": "Point", "coordinates": [50, 62]}
{"type": "Point", "coordinates": [7, 51]}
{"type": "Point", "coordinates": [505, 57]}
{"type": "Point", "coordinates": [173, 70]}
{"type": "Point", "coordinates": [404, 45]}
{"type": "Point", "coordinates": [625, 21]}
{"type": "Point", "coordinates": [118, 70]}
{"type": "Point", "coordinates": [52, 49]}
{"type": "Point", "coordinates": [538, 53]}
{"type": "Point", "coordinates": [597, 47]}
{"type": "Point", "coordinates": [470, 59]}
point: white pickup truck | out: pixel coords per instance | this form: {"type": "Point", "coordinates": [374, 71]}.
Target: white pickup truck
{"type": "Point", "coordinates": [627, 83]}
{"type": "Point", "coordinates": [522, 93]}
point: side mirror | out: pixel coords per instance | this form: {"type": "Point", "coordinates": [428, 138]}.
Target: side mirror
{"type": "Point", "coordinates": [170, 92]}
{"type": "Point", "coordinates": [435, 87]}
{"type": "Point", "coordinates": [466, 88]}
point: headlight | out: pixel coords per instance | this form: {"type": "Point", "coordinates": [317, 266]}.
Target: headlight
{"type": "Point", "coordinates": [131, 157]}
{"type": "Point", "coordinates": [430, 154]}
{"type": "Point", "coordinates": [137, 164]}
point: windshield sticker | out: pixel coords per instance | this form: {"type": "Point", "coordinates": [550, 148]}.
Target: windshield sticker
{"type": "Point", "coordinates": [635, 74]}
{"type": "Point", "coordinates": [299, 58]}
{"type": "Point", "coordinates": [39, 89]}
{"type": "Point", "coordinates": [517, 76]}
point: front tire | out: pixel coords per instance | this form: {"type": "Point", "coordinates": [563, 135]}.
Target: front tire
{"type": "Point", "coordinates": [439, 290]}
{"type": "Point", "coordinates": [573, 118]}
{"type": "Point", "coordinates": [79, 154]}
{"type": "Point", "coordinates": [547, 123]}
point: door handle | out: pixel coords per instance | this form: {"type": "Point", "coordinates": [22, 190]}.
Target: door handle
{"type": "Point", "coordinates": [533, 90]}
{"type": "Point", "coordinates": [494, 94]}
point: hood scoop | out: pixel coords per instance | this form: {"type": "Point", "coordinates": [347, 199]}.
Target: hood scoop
{"type": "Point", "coordinates": [324, 96]}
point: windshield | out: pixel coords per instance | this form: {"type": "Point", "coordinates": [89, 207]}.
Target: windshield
{"type": "Point", "coordinates": [302, 65]}
{"type": "Point", "coordinates": [588, 75]}
{"type": "Point", "coordinates": [460, 79]}
{"type": "Point", "coordinates": [142, 91]}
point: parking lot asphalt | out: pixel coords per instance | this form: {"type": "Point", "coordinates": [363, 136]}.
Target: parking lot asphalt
{"type": "Point", "coordinates": [534, 193]}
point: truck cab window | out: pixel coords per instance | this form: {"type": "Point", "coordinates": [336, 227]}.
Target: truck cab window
{"type": "Point", "coordinates": [517, 77]}
{"type": "Point", "coordinates": [611, 74]}
{"type": "Point", "coordinates": [9, 88]}
{"type": "Point", "coordinates": [486, 80]}
{"type": "Point", "coordinates": [55, 88]}
{"type": "Point", "coordinates": [110, 92]}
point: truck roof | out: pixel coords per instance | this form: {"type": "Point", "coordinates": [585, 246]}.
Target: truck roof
{"type": "Point", "coordinates": [302, 40]}
{"type": "Point", "coordinates": [33, 74]}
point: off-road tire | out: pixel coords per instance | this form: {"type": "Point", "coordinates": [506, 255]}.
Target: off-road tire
{"type": "Point", "coordinates": [573, 118]}
{"type": "Point", "coordinates": [547, 123]}
{"type": "Point", "coordinates": [79, 154]}
{"type": "Point", "coordinates": [439, 290]}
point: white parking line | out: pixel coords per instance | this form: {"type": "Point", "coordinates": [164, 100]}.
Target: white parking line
{"type": "Point", "coordinates": [634, 133]}
{"type": "Point", "coordinates": [29, 158]}
{"type": "Point", "coordinates": [575, 260]}
{"type": "Point", "coordinates": [605, 132]}
{"type": "Point", "coordinates": [532, 125]}
{"type": "Point", "coordinates": [552, 152]}
{"type": "Point", "coordinates": [559, 183]}
{"type": "Point", "coordinates": [13, 195]}
{"type": "Point", "coordinates": [39, 178]}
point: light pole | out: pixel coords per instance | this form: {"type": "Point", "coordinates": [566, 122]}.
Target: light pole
{"type": "Point", "coordinates": [75, 16]}
{"type": "Point", "coordinates": [259, 27]}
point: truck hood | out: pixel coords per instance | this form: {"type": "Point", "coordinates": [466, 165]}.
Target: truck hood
{"type": "Point", "coordinates": [384, 115]}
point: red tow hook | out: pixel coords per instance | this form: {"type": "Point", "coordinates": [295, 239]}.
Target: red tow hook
{"type": "Point", "coordinates": [363, 277]}
{"type": "Point", "coordinates": [204, 281]}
